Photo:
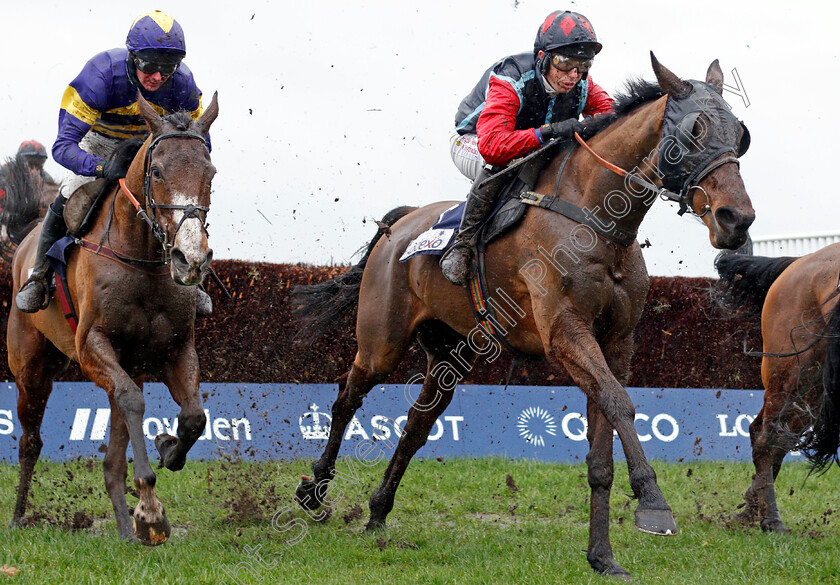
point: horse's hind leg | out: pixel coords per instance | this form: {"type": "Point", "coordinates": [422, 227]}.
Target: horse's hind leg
{"type": "Point", "coordinates": [439, 341]}
{"type": "Point", "coordinates": [34, 379]}
{"type": "Point", "coordinates": [352, 389]}
{"type": "Point", "coordinates": [384, 331]}
{"type": "Point", "coordinates": [115, 467]}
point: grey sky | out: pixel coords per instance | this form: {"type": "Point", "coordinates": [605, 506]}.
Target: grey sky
{"type": "Point", "coordinates": [334, 112]}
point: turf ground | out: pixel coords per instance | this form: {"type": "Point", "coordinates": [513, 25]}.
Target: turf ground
{"type": "Point", "coordinates": [455, 521]}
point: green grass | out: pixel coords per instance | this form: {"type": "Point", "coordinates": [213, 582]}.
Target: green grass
{"type": "Point", "coordinates": [454, 522]}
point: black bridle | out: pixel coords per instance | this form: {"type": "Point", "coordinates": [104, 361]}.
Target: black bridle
{"type": "Point", "coordinates": [152, 205]}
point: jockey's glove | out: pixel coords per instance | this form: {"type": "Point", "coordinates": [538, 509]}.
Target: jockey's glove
{"type": "Point", "coordinates": [109, 169]}
{"type": "Point", "coordinates": [561, 130]}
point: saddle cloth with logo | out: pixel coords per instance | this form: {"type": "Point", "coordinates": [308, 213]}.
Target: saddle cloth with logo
{"type": "Point", "coordinates": [438, 238]}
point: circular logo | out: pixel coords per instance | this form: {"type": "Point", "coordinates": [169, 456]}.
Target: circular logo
{"type": "Point", "coordinates": [535, 422]}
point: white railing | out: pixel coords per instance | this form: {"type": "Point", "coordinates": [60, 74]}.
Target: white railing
{"type": "Point", "coordinates": [794, 244]}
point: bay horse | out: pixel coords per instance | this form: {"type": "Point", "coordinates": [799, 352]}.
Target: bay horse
{"type": "Point", "coordinates": [575, 297]}
{"type": "Point", "coordinates": [800, 366]}
{"type": "Point", "coordinates": [133, 286]}
{"type": "Point", "coordinates": [26, 201]}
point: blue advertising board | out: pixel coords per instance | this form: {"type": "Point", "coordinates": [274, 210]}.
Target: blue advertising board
{"type": "Point", "coordinates": [289, 421]}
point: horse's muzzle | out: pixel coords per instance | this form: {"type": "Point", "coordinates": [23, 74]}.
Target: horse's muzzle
{"type": "Point", "coordinates": [731, 227]}
{"type": "Point", "coordinates": [189, 271]}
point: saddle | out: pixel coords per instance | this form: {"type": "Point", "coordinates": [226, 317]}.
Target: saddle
{"type": "Point", "coordinates": [81, 209]}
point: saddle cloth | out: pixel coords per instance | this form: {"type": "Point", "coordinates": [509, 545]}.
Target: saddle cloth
{"type": "Point", "coordinates": [438, 238]}
{"type": "Point", "coordinates": [57, 255]}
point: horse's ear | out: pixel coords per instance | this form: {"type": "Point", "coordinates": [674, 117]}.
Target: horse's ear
{"type": "Point", "coordinates": [714, 76]}
{"type": "Point", "coordinates": [209, 115]}
{"type": "Point", "coordinates": [149, 114]}
{"type": "Point", "coordinates": [670, 83]}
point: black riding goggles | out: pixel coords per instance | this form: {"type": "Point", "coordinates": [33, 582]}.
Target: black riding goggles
{"type": "Point", "coordinates": [149, 67]}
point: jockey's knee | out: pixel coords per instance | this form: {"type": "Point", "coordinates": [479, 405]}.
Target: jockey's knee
{"type": "Point", "coordinates": [58, 205]}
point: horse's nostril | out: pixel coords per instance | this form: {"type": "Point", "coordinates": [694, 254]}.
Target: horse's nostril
{"type": "Point", "coordinates": [179, 258]}
{"type": "Point", "coordinates": [726, 218]}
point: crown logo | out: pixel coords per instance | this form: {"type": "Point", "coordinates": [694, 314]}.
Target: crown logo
{"type": "Point", "coordinates": [315, 430]}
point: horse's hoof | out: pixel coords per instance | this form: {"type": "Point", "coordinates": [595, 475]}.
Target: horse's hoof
{"type": "Point", "coordinates": [306, 494]}
{"type": "Point", "coordinates": [152, 533]}
{"type": "Point", "coordinates": [164, 444]}
{"type": "Point", "coordinates": [375, 526]}
{"type": "Point", "coordinates": [659, 522]}
{"type": "Point", "coordinates": [774, 525]}
{"type": "Point", "coordinates": [609, 568]}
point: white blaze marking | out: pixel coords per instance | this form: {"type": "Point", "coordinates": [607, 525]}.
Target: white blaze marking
{"type": "Point", "coordinates": [189, 237]}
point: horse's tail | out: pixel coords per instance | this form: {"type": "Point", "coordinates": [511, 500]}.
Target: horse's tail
{"type": "Point", "coordinates": [316, 306]}
{"type": "Point", "coordinates": [822, 441]}
{"type": "Point", "coordinates": [745, 280]}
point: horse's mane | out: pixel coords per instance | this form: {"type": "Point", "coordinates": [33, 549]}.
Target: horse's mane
{"type": "Point", "coordinates": [637, 92]}
{"type": "Point", "coordinates": [181, 120]}
{"type": "Point", "coordinates": [126, 150]}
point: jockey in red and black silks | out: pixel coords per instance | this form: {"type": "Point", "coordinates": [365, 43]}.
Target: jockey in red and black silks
{"type": "Point", "coordinates": [518, 104]}
{"type": "Point", "coordinates": [512, 100]}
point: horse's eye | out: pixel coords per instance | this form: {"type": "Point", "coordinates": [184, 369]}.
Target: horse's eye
{"type": "Point", "coordinates": [156, 173]}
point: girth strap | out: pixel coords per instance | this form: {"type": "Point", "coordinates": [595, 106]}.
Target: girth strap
{"type": "Point", "coordinates": [575, 213]}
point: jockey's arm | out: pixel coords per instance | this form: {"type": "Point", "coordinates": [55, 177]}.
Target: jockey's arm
{"type": "Point", "coordinates": [498, 140]}
{"type": "Point", "coordinates": [75, 119]}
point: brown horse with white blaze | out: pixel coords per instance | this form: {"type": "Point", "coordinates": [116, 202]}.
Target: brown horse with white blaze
{"type": "Point", "coordinates": [133, 287]}
{"type": "Point", "coordinates": [579, 309]}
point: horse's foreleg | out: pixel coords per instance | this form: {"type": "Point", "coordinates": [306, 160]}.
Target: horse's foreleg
{"type": "Point", "coordinates": [599, 464]}
{"type": "Point", "coordinates": [352, 389]}
{"type": "Point", "coordinates": [115, 467]}
{"type": "Point", "coordinates": [99, 362]}
{"type": "Point", "coordinates": [32, 401]}
{"type": "Point", "coordinates": [573, 346]}
{"type": "Point", "coordinates": [431, 403]}
{"type": "Point", "coordinates": [181, 376]}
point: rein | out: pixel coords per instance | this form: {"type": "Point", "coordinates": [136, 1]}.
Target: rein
{"type": "Point", "coordinates": [663, 193]}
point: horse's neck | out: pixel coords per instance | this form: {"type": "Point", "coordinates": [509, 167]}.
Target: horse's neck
{"type": "Point", "coordinates": [630, 143]}
{"type": "Point", "coordinates": [127, 234]}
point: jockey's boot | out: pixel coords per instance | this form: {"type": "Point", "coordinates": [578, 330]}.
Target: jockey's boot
{"type": "Point", "coordinates": [455, 263]}
{"type": "Point", "coordinates": [34, 295]}
{"type": "Point", "coordinates": [203, 302]}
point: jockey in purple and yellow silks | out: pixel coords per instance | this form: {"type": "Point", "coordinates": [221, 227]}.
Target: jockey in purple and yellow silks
{"type": "Point", "coordinates": [99, 110]}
